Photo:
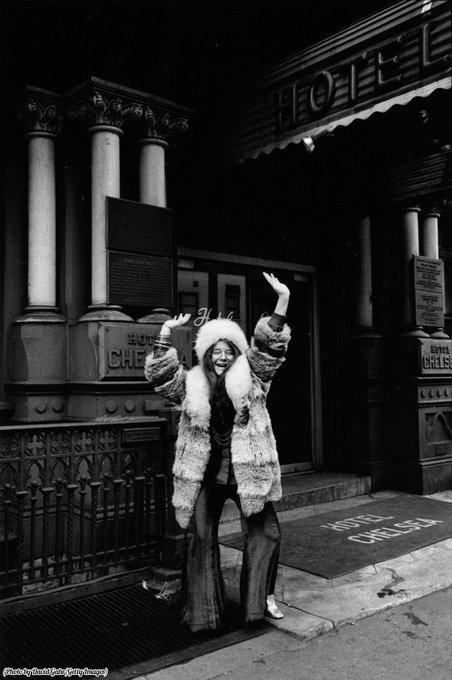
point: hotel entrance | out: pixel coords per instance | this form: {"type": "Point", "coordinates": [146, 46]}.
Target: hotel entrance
{"type": "Point", "coordinates": [237, 290]}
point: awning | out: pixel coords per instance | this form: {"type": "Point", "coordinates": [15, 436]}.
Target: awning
{"type": "Point", "coordinates": [380, 107]}
{"type": "Point", "coordinates": [386, 60]}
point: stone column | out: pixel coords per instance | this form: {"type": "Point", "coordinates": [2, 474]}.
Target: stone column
{"type": "Point", "coordinates": [159, 126]}
{"type": "Point", "coordinates": [409, 248]}
{"type": "Point", "coordinates": [37, 339]}
{"type": "Point", "coordinates": [105, 181]}
{"type": "Point", "coordinates": [363, 358]}
{"type": "Point", "coordinates": [152, 172]}
{"type": "Point", "coordinates": [429, 235]}
{"type": "Point", "coordinates": [101, 106]}
{"type": "Point", "coordinates": [363, 308]}
{"type": "Point", "coordinates": [40, 114]}
{"type": "Point", "coordinates": [430, 247]}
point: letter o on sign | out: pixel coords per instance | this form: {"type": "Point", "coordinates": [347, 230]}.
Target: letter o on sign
{"type": "Point", "coordinates": [323, 80]}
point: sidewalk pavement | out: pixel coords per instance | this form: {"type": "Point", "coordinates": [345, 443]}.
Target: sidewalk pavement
{"type": "Point", "coordinates": [313, 605]}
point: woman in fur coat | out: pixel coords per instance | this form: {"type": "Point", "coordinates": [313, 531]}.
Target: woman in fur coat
{"type": "Point", "coordinates": [226, 449]}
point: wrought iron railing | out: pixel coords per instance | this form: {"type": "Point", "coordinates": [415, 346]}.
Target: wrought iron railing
{"type": "Point", "coordinates": [79, 501]}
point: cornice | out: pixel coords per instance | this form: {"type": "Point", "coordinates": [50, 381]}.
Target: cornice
{"type": "Point", "coordinates": [98, 102]}
{"type": "Point", "coordinates": [96, 105]}
{"type": "Point", "coordinates": [101, 102]}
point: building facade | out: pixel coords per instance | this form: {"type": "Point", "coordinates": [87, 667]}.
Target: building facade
{"type": "Point", "coordinates": [122, 205]}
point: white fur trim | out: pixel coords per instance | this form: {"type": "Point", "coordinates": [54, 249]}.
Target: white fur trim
{"type": "Point", "coordinates": [197, 399]}
{"type": "Point", "coordinates": [219, 329]}
{"type": "Point", "coordinates": [238, 382]}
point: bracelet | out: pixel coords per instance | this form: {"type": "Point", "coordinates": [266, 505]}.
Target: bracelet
{"type": "Point", "coordinates": [162, 342]}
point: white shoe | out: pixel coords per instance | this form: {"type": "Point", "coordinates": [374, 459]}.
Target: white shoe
{"type": "Point", "coordinates": [271, 609]}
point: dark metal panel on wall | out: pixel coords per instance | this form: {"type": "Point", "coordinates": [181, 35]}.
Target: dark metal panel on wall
{"type": "Point", "coordinates": [139, 254]}
{"type": "Point", "coordinates": [403, 50]}
{"type": "Point", "coordinates": [428, 175]}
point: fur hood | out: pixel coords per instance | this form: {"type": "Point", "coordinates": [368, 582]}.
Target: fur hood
{"type": "Point", "coordinates": [219, 329]}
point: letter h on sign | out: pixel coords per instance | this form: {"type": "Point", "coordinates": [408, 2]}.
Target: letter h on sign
{"type": "Point", "coordinates": [286, 107]}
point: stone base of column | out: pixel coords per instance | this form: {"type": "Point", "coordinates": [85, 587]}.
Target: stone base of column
{"type": "Point", "coordinates": [37, 351]}
{"type": "Point", "coordinates": [37, 403]}
{"type": "Point", "coordinates": [413, 333]}
{"type": "Point", "coordinates": [363, 390]}
{"type": "Point", "coordinates": [105, 313]}
{"type": "Point", "coordinates": [158, 315]}
{"type": "Point", "coordinates": [418, 440]}
{"type": "Point", "coordinates": [6, 411]}
{"type": "Point", "coordinates": [106, 369]}
{"type": "Point", "coordinates": [422, 477]}
{"type": "Point", "coordinates": [101, 401]}
{"type": "Point", "coordinates": [41, 314]}
{"type": "Point", "coordinates": [439, 333]}
{"type": "Point", "coordinates": [364, 430]}
{"type": "Point", "coordinates": [37, 369]}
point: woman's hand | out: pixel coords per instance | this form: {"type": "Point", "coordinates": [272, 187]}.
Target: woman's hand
{"type": "Point", "coordinates": [278, 287]}
{"type": "Point", "coordinates": [282, 292]}
{"type": "Point", "coordinates": [178, 320]}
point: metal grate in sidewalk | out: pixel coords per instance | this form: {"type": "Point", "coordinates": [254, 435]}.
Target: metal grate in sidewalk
{"type": "Point", "coordinates": [114, 630]}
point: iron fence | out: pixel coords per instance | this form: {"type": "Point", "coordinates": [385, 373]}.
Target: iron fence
{"type": "Point", "coordinates": [79, 501]}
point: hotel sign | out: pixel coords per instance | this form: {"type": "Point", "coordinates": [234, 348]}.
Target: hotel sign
{"type": "Point", "coordinates": [385, 59]}
{"type": "Point", "coordinates": [435, 356]}
{"type": "Point", "coordinates": [413, 54]}
{"type": "Point", "coordinates": [123, 348]}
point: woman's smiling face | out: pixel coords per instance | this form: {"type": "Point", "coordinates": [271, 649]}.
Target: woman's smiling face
{"type": "Point", "coordinates": [222, 356]}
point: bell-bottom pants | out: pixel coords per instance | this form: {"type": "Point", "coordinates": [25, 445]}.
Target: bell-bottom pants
{"type": "Point", "coordinates": [203, 580]}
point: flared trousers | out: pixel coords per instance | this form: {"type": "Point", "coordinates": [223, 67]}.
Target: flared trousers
{"type": "Point", "coordinates": [203, 580]}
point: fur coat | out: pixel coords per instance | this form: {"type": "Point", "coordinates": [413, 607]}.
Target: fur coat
{"type": "Point", "coordinates": [253, 448]}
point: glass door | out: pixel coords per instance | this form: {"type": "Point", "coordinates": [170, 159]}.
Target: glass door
{"type": "Point", "coordinates": [231, 303]}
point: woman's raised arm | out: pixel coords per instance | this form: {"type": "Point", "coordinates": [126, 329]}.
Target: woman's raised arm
{"type": "Point", "coordinates": [163, 342]}
{"type": "Point", "coordinates": [282, 292]}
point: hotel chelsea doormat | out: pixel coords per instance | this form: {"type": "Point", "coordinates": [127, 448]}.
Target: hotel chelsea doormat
{"type": "Point", "coordinates": [336, 543]}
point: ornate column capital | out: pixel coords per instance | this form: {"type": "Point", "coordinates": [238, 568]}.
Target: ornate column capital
{"type": "Point", "coordinates": [39, 111]}
{"type": "Point", "coordinates": [159, 124]}
{"type": "Point", "coordinates": [434, 207]}
{"type": "Point", "coordinates": [98, 102]}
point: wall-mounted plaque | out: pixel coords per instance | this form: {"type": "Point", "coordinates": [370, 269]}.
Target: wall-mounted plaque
{"type": "Point", "coordinates": [435, 356]}
{"type": "Point", "coordinates": [430, 309]}
{"type": "Point", "coordinates": [428, 274]}
{"type": "Point", "coordinates": [140, 280]}
{"type": "Point", "coordinates": [138, 228]}
{"type": "Point", "coordinates": [429, 291]}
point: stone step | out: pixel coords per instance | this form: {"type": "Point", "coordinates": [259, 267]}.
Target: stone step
{"type": "Point", "coordinates": [304, 489]}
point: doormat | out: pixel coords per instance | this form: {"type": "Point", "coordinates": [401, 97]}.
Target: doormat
{"type": "Point", "coordinates": [336, 543]}
{"type": "Point", "coordinates": [128, 631]}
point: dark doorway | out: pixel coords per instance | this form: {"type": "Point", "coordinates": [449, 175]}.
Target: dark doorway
{"type": "Point", "coordinates": [290, 397]}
